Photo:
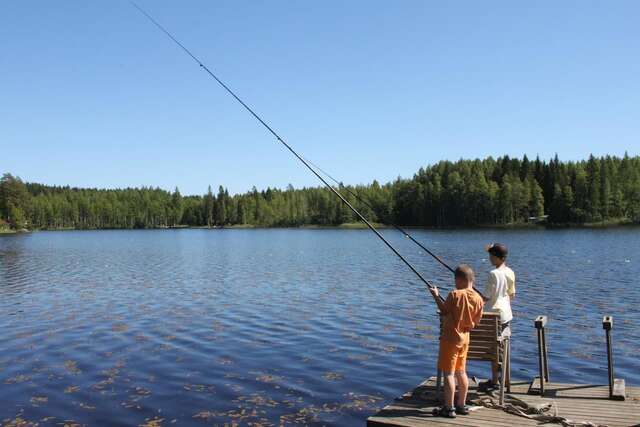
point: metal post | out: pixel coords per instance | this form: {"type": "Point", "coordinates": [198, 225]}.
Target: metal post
{"type": "Point", "coordinates": [540, 323]}
{"type": "Point", "coordinates": [505, 356]}
{"type": "Point", "coordinates": [508, 379]}
{"type": "Point", "coordinates": [607, 325]}
{"type": "Point", "coordinates": [541, 363]}
{"type": "Point", "coordinates": [544, 353]}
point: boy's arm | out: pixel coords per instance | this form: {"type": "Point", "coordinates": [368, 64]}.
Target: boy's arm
{"type": "Point", "coordinates": [442, 306]}
{"type": "Point", "coordinates": [489, 290]}
{"type": "Point", "coordinates": [511, 288]}
{"type": "Point", "coordinates": [477, 315]}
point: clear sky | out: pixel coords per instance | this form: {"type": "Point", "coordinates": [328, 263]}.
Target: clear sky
{"type": "Point", "coordinates": [91, 94]}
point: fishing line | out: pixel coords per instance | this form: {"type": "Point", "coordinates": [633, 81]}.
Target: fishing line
{"type": "Point", "coordinates": [294, 152]}
{"type": "Point", "coordinates": [397, 227]}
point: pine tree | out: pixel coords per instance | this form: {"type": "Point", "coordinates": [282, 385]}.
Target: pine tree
{"type": "Point", "coordinates": [208, 207]}
{"type": "Point", "coordinates": [15, 201]}
{"type": "Point", "coordinates": [558, 212]}
{"type": "Point", "coordinates": [594, 186]}
{"type": "Point", "coordinates": [525, 168]}
{"type": "Point", "coordinates": [568, 203]}
{"type": "Point", "coordinates": [633, 204]}
{"type": "Point", "coordinates": [176, 207]}
{"type": "Point", "coordinates": [221, 210]}
{"type": "Point", "coordinates": [605, 190]}
{"type": "Point", "coordinates": [505, 203]}
{"type": "Point", "coordinates": [536, 198]}
{"type": "Point", "coordinates": [519, 199]}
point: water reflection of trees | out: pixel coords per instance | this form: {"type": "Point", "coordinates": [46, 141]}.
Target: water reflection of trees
{"type": "Point", "coordinates": [15, 264]}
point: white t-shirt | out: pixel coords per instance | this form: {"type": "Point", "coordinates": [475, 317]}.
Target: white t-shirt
{"type": "Point", "coordinates": [501, 284]}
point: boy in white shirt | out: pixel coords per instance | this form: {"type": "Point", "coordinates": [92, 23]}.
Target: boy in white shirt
{"type": "Point", "coordinates": [500, 290]}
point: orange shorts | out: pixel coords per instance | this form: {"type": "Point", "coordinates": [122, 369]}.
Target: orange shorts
{"type": "Point", "coordinates": [452, 357]}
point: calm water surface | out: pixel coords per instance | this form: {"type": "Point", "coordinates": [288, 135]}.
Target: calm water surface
{"type": "Point", "coordinates": [206, 327]}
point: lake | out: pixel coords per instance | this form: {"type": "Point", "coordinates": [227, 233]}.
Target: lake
{"type": "Point", "coordinates": [281, 326]}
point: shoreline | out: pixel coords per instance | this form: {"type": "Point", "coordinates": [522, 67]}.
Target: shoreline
{"type": "Point", "coordinates": [12, 231]}
{"type": "Point", "coordinates": [362, 226]}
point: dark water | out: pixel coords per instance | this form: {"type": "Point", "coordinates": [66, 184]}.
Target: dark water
{"type": "Point", "coordinates": [210, 327]}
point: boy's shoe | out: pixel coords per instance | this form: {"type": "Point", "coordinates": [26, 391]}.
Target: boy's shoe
{"type": "Point", "coordinates": [462, 410]}
{"type": "Point", "coordinates": [444, 411]}
{"type": "Point", "coordinates": [488, 386]}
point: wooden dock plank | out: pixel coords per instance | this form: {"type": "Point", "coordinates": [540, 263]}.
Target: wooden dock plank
{"type": "Point", "coordinates": [577, 402]}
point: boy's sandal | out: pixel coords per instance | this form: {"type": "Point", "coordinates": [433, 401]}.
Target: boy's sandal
{"type": "Point", "coordinates": [444, 412]}
{"type": "Point", "coordinates": [487, 385]}
{"type": "Point", "coordinates": [462, 410]}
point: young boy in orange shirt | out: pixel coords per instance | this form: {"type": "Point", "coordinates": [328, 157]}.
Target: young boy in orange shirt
{"type": "Point", "coordinates": [461, 312]}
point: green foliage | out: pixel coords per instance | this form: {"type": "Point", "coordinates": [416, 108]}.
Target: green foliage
{"type": "Point", "coordinates": [467, 192]}
{"type": "Point", "coordinates": [176, 208]}
{"type": "Point", "coordinates": [15, 201]}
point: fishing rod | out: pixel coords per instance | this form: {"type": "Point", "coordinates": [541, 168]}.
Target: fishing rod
{"type": "Point", "coordinates": [397, 227]}
{"type": "Point", "coordinates": [288, 147]}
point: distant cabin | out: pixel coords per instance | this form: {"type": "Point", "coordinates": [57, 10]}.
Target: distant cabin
{"type": "Point", "coordinates": [538, 219]}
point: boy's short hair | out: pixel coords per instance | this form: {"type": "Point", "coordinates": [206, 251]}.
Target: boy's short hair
{"type": "Point", "coordinates": [465, 272]}
{"type": "Point", "coordinates": [498, 249]}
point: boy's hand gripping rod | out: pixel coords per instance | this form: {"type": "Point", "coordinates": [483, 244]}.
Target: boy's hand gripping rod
{"type": "Point", "coordinates": [288, 147]}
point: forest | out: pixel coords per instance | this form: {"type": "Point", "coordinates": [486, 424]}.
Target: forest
{"type": "Point", "coordinates": [487, 192]}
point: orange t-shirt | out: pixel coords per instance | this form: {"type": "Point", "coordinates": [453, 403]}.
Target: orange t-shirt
{"type": "Point", "coordinates": [462, 312]}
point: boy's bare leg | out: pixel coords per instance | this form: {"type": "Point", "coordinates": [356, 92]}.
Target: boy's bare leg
{"type": "Point", "coordinates": [463, 387]}
{"type": "Point", "coordinates": [449, 388]}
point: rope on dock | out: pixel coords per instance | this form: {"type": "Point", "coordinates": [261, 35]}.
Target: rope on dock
{"type": "Point", "coordinates": [540, 412]}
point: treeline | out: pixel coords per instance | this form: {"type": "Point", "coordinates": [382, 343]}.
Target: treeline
{"type": "Point", "coordinates": [467, 192]}
{"type": "Point", "coordinates": [511, 190]}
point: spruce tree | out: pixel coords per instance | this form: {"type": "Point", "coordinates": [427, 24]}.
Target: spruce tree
{"type": "Point", "coordinates": [208, 207]}
{"type": "Point", "coordinates": [536, 198]}
{"type": "Point", "coordinates": [176, 207]}
{"type": "Point", "coordinates": [221, 209]}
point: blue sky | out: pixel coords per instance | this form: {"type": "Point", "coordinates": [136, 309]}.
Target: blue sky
{"type": "Point", "coordinates": [92, 95]}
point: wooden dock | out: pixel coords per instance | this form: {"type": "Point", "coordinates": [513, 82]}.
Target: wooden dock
{"type": "Point", "coordinates": [576, 402]}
